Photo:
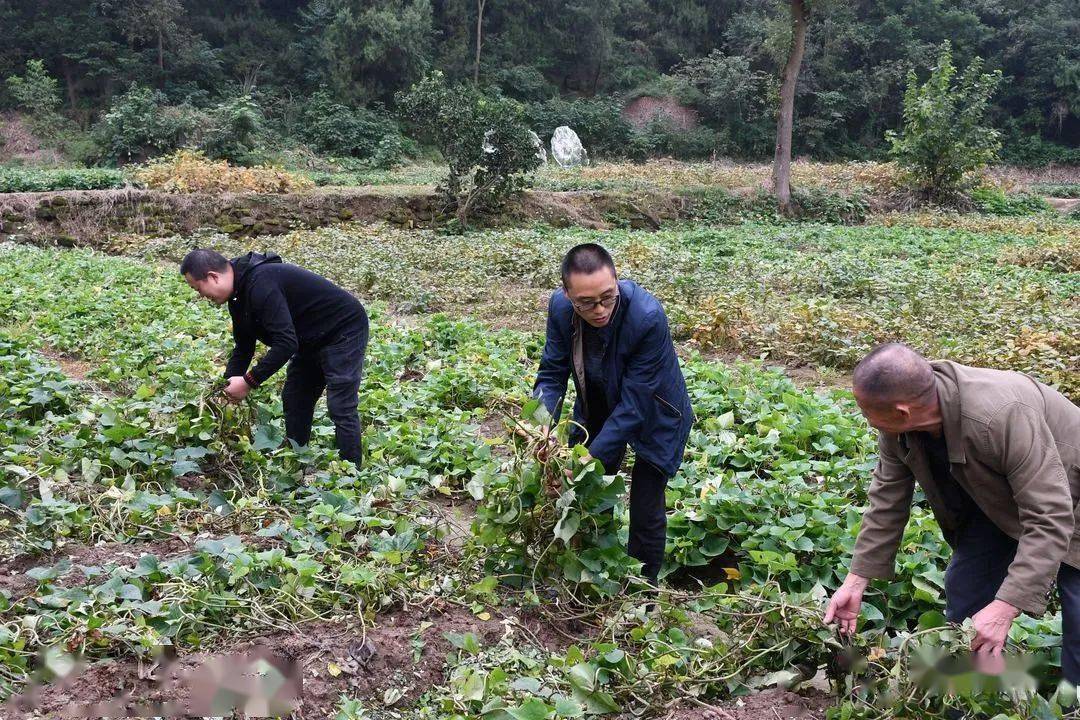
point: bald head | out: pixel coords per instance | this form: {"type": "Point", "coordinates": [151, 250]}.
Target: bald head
{"type": "Point", "coordinates": [894, 373]}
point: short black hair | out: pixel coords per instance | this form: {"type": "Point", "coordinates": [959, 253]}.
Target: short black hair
{"type": "Point", "coordinates": [586, 259]}
{"type": "Point", "coordinates": [894, 372]}
{"type": "Point", "coordinates": [201, 262]}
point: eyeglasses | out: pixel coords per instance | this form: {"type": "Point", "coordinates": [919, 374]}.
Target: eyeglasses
{"type": "Point", "coordinates": [589, 305]}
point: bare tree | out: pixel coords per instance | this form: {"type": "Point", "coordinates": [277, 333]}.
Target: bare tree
{"type": "Point", "coordinates": [782, 159]}
{"type": "Point", "coordinates": [479, 39]}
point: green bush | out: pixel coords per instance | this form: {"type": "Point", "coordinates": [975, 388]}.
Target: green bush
{"type": "Point", "coordinates": [997, 202]}
{"type": "Point", "coordinates": [1059, 190]}
{"type": "Point", "coordinates": [722, 207]}
{"type": "Point", "coordinates": [1033, 151]}
{"type": "Point", "coordinates": [235, 131]}
{"type": "Point", "coordinates": [598, 122]}
{"type": "Point", "coordinates": [484, 141]}
{"type": "Point", "coordinates": [944, 138]}
{"type": "Point", "coordinates": [38, 94]}
{"type": "Point", "coordinates": [661, 138]}
{"type": "Point", "coordinates": [140, 124]}
{"type": "Point", "coordinates": [18, 179]}
{"type": "Point", "coordinates": [334, 129]}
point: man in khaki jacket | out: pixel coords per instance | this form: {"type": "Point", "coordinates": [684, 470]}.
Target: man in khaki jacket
{"type": "Point", "coordinates": [997, 455]}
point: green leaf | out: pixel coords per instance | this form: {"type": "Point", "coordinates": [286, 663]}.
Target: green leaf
{"type": "Point", "coordinates": [932, 619]}
{"type": "Point", "coordinates": [464, 641]}
{"type": "Point", "coordinates": [567, 526]}
{"type": "Point", "coordinates": [567, 708]}
{"type": "Point", "coordinates": [267, 437]}
{"type": "Point", "coordinates": [531, 709]}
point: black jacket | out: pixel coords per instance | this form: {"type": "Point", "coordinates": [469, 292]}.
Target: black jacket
{"type": "Point", "coordinates": [286, 307]}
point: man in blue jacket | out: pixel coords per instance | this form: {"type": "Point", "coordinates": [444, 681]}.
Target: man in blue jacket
{"type": "Point", "coordinates": [319, 329]}
{"type": "Point", "coordinates": [612, 337]}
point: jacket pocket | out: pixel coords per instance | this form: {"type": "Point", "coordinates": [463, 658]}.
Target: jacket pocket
{"type": "Point", "coordinates": [665, 404]}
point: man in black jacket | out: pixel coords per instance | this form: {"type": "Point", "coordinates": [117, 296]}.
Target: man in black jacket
{"type": "Point", "coordinates": [306, 320]}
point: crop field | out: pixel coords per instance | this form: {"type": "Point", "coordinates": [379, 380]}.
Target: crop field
{"type": "Point", "coordinates": [149, 529]}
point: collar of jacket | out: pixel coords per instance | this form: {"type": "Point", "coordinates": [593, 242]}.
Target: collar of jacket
{"type": "Point", "coordinates": [244, 264]}
{"type": "Point", "coordinates": [949, 406]}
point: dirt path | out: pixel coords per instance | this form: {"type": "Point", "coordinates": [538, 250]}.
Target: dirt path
{"type": "Point", "coordinates": [392, 662]}
{"type": "Point", "coordinates": [1064, 205]}
{"type": "Point", "coordinates": [766, 705]}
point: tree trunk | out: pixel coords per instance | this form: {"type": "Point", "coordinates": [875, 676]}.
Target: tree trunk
{"type": "Point", "coordinates": [782, 158]}
{"type": "Point", "coordinates": [69, 83]}
{"type": "Point", "coordinates": [479, 39]}
{"type": "Point", "coordinates": [160, 51]}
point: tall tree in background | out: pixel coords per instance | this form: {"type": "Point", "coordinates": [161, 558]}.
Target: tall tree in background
{"type": "Point", "coordinates": [781, 176]}
{"type": "Point", "coordinates": [152, 21]}
{"type": "Point", "coordinates": [479, 39]}
{"type": "Point", "coordinates": [365, 50]}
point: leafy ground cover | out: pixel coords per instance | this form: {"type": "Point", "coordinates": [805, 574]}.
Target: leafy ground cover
{"type": "Point", "coordinates": [984, 290]}
{"type": "Point", "coordinates": [137, 511]}
{"type": "Point", "coordinates": [32, 179]}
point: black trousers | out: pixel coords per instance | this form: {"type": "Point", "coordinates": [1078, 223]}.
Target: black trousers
{"type": "Point", "coordinates": [981, 557]}
{"type": "Point", "coordinates": [337, 368]}
{"type": "Point", "coordinates": [648, 507]}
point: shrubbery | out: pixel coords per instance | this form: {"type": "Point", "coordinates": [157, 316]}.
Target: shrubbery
{"type": "Point", "coordinates": [1033, 151]}
{"type": "Point", "coordinates": [484, 141]}
{"type": "Point", "coordinates": [188, 171]}
{"type": "Point", "coordinates": [598, 122]}
{"type": "Point", "coordinates": [235, 131]}
{"type": "Point", "coordinates": [945, 138]}
{"type": "Point", "coordinates": [334, 129]}
{"type": "Point", "coordinates": [997, 202]}
{"type": "Point", "coordinates": [20, 179]}
{"type": "Point", "coordinates": [141, 124]}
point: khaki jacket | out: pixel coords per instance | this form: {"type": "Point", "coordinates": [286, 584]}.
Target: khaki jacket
{"type": "Point", "coordinates": [1014, 446]}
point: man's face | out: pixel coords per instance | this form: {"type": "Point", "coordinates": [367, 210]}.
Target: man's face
{"type": "Point", "coordinates": [215, 287]}
{"type": "Point", "coordinates": [594, 296]}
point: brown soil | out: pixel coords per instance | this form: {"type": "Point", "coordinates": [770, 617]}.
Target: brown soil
{"type": "Point", "coordinates": [18, 143]}
{"type": "Point", "coordinates": [457, 516]}
{"type": "Point", "coordinates": [75, 369]}
{"type": "Point", "coordinates": [1064, 205]}
{"type": "Point", "coordinates": [766, 705]}
{"type": "Point", "coordinates": [366, 663]}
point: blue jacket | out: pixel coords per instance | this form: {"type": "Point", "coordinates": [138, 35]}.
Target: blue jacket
{"type": "Point", "coordinates": [645, 387]}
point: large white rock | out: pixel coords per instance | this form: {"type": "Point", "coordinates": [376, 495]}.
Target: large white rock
{"type": "Point", "coordinates": [541, 153]}
{"type": "Point", "coordinates": [567, 149]}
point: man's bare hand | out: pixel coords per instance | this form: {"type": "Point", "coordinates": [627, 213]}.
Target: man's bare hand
{"type": "Point", "coordinates": [237, 389]}
{"type": "Point", "coordinates": [992, 625]}
{"type": "Point", "coordinates": [845, 603]}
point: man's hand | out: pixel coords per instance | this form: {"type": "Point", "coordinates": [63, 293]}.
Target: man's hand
{"type": "Point", "coordinates": [845, 603]}
{"type": "Point", "coordinates": [237, 389]}
{"type": "Point", "coordinates": [992, 625]}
